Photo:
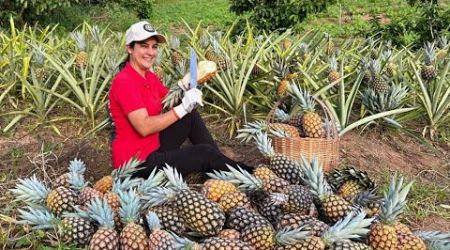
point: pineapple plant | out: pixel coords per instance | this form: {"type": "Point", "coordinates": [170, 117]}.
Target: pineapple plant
{"type": "Point", "coordinates": [127, 169]}
{"type": "Point", "coordinates": [199, 213]}
{"type": "Point", "coordinates": [106, 237]}
{"type": "Point", "coordinates": [428, 70]}
{"type": "Point", "coordinates": [75, 166]}
{"type": "Point", "coordinates": [215, 54]}
{"type": "Point", "coordinates": [133, 235]}
{"type": "Point", "coordinates": [158, 239]}
{"type": "Point", "coordinates": [175, 55]}
{"type": "Point", "coordinates": [383, 234]}
{"type": "Point", "coordinates": [74, 229]}
{"type": "Point", "coordinates": [311, 121]}
{"type": "Point", "coordinates": [443, 49]}
{"type": "Point", "coordinates": [34, 192]}
{"type": "Point", "coordinates": [82, 57]}
{"type": "Point", "coordinates": [332, 206]}
{"type": "Point", "coordinates": [333, 74]}
{"type": "Point", "coordinates": [40, 70]}
{"type": "Point", "coordinates": [330, 46]}
{"type": "Point", "coordinates": [282, 166]}
{"type": "Point", "coordinates": [378, 83]}
{"type": "Point", "coordinates": [349, 182]}
{"type": "Point", "coordinates": [364, 67]}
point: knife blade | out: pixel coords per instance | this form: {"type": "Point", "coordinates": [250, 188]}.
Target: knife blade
{"type": "Point", "coordinates": [193, 69]}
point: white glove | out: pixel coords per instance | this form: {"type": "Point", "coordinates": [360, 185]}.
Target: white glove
{"type": "Point", "coordinates": [184, 83]}
{"type": "Point", "coordinates": [191, 98]}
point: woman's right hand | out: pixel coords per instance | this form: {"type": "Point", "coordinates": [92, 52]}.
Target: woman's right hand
{"type": "Point", "coordinates": [191, 98]}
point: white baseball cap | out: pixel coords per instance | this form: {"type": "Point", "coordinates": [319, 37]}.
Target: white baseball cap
{"type": "Point", "coordinates": [141, 31]}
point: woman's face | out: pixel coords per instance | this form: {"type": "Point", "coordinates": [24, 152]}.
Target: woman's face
{"type": "Point", "coordinates": [143, 54]}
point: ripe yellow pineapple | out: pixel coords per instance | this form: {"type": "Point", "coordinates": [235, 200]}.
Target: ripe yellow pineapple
{"type": "Point", "coordinates": [133, 235]}
{"type": "Point", "coordinates": [283, 87]}
{"type": "Point", "coordinates": [264, 173]}
{"type": "Point", "coordinates": [127, 169]}
{"type": "Point", "coordinates": [106, 237]}
{"type": "Point", "coordinates": [311, 121]}
{"type": "Point", "coordinates": [291, 131]}
{"type": "Point", "coordinates": [232, 200]}
{"type": "Point", "coordinates": [215, 189]}
{"type": "Point", "coordinates": [383, 234]}
{"type": "Point", "coordinates": [33, 191]}
{"type": "Point", "coordinates": [229, 234]}
{"type": "Point", "coordinates": [333, 206]}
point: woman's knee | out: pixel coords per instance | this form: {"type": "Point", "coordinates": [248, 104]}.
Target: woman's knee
{"type": "Point", "coordinates": [206, 149]}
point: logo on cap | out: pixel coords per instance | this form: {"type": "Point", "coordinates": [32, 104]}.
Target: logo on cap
{"type": "Point", "coordinates": [148, 28]}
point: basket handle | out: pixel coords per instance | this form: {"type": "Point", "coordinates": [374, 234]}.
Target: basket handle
{"type": "Point", "coordinates": [331, 129]}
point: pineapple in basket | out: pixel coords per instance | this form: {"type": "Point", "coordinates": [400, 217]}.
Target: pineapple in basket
{"type": "Point", "coordinates": [387, 232]}
{"type": "Point", "coordinates": [311, 121]}
{"type": "Point", "coordinates": [34, 192]}
{"type": "Point", "coordinates": [333, 206]}
{"type": "Point", "coordinates": [106, 236]}
{"type": "Point", "coordinates": [133, 235]}
{"type": "Point", "coordinates": [75, 166]}
{"type": "Point", "coordinates": [74, 229]}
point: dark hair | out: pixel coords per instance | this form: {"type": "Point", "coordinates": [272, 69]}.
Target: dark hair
{"type": "Point", "coordinates": [124, 62]}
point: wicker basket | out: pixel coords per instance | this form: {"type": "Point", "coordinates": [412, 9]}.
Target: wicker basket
{"type": "Point", "coordinates": [327, 148]}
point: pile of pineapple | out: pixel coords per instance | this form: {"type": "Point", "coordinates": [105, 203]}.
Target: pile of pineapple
{"type": "Point", "coordinates": [281, 205]}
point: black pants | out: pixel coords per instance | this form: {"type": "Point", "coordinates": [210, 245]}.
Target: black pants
{"type": "Point", "coordinates": [202, 156]}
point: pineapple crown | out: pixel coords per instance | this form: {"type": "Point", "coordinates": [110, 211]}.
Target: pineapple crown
{"type": "Point", "coordinates": [39, 217]}
{"type": "Point", "coordinates": [38, 55]}
{"type": "Point", "coordinates": [264, 144]}
{"type": "Point", "coordinates": [366, 197]}
{"type": "Point", "coordinates": [394, 200]}
{"type": "Point", "coordinates": [350, 227]}
{"type": "Point", "coordinates": [127, 169]}
{"type": "Point", "coordinates": [174, 42]}
{"type": "Point", "coordinates": [180, 67]}
{"type": "Point", "coordinates": [442, 42]}
{"type": "Point", "coordinates": [77, 166]}
{"type": "Point", "coordinates": [350, 172]}
{"type": "Point", "coordinates": [125, 184]}
{"type": "Point", "coordinates": [242, 178]}
{"type": "Point", "coordinates": [378, 102]}
{"type": "Point", "coordinates": [97, 34]}
{"type": "Point", "coordinates": [100, 211]}
{"type": "Point", "coordinates": [130, 206]}
{"type": "Point", "coordinates": [435, 240]}
{"type": "Point", "coordinates": [303, 97]}
{"type": "Point", "coordinates": [250, 129]}
{"type": "Point", "coordinates": [315, 178]}
{"type": "Point", "coordinates": [215, 46]}
{"type": "Point", "coordinates": [184, 243]}
{"type": "Point", "coordinates": [288, 236]}
{"type": "Point", "coordinates": [387, 54]}
{"type": "Point", "coordinates": [175, 179]}
{"type": "Point", "coordinates": [281, 116]}
{"type": "Point", "coordinates": [429, 53]}
{"type": "Point", "coordinates": [204, 41]}
{"type": "Point", "coordinates": [333, 63]}
{"type": "Point", "coordinates": [153, 221]}
{"type": "Point", "coordinates": [79, 39]}
{"type": "Point", "coordinates": [159, 196]}
{"type": "Point", "coordinates": [31, 191]}
{"type": "Point", "coordinates": [77, 181]}
{"type": "Point", "coordinates": [363, 64]}
{"type": "Point", "coordinates": [375, 67]}
{"type": "Point", "coordinates": [155, 179]}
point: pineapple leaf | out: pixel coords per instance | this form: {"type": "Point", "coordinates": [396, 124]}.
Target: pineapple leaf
{"type": "Point", "coordinates": [38, 217]}
{"type": "Point", "coordinates": [350, 227]}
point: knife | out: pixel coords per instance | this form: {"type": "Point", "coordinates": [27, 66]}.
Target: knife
{"type": "Point", "coordinates": [193, 69]}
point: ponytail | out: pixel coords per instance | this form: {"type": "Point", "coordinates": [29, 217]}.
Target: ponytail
{"type": "Point", "coordinates": [122, 64]}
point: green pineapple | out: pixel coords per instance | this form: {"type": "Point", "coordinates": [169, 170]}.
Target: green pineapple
{"type": "Point", "coordinates": [73, 229]}
{"type": "Point", "coordinates": [428, 70]}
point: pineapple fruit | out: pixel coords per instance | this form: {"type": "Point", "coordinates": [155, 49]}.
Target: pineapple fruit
{"type": "Point", "coordinates": [133, 235]}
{"type": "Point", "coordinates": [106, 237]}
{"type": "Point", "coordinates": [311, 122]}
{"type": "Point", "coordinates": [349, 182]}
{"type": "Point", "coordinates": [428, 70]}
{"type": "Point", "coordinates": [158, 239]}
{"type": "Point", "coordinates": [175, 56]}
{"type": "Point", "coordinates": [215, 54]}
{"type": "Point", "coordinates": [333, 206]}
{"type": "Point", "coordinates": [215, 189]}
{"type": "Point", "coordinates": [333, 74]}
{"type": "Point", "coordinates": [127, 169]}
{"type": "Point", "coordinates": [378, 83]}
{"type": "Point", "coordinates": [386, 233]}
{"type": "Point", "coordinates": [82, 57]}
{"type": "Point", "coordinates": [75, 166]}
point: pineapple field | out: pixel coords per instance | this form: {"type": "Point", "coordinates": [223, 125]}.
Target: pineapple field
{"type": "Point", "coordinates": [349, 138]}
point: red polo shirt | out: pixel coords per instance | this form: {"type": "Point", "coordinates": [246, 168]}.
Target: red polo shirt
{"type": "Point", "coordinates": [130, 91]}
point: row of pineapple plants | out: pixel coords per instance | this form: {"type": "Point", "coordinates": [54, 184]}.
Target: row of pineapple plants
{"type": "Point", "coordinates": [282, 204]}
{"type": "Point", "coordinates": [363, 82]}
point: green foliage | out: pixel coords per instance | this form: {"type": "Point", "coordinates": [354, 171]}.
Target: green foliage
{"type": "Point", "coordinates": [29, 10]}
{"type": "Point", "coordinates": [277, 15]}
{"type": "Point", "coordinates": [143, 8]}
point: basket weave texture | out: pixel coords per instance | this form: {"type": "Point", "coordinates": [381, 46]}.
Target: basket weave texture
{"type": "Point", "coordinates": [326, 148]}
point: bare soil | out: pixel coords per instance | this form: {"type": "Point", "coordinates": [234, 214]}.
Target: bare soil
{"type": "Point", "coordinates": [380, 154]}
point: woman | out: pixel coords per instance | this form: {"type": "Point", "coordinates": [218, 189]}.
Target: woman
{"type": "Point", "coordinates": [142, 130]}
